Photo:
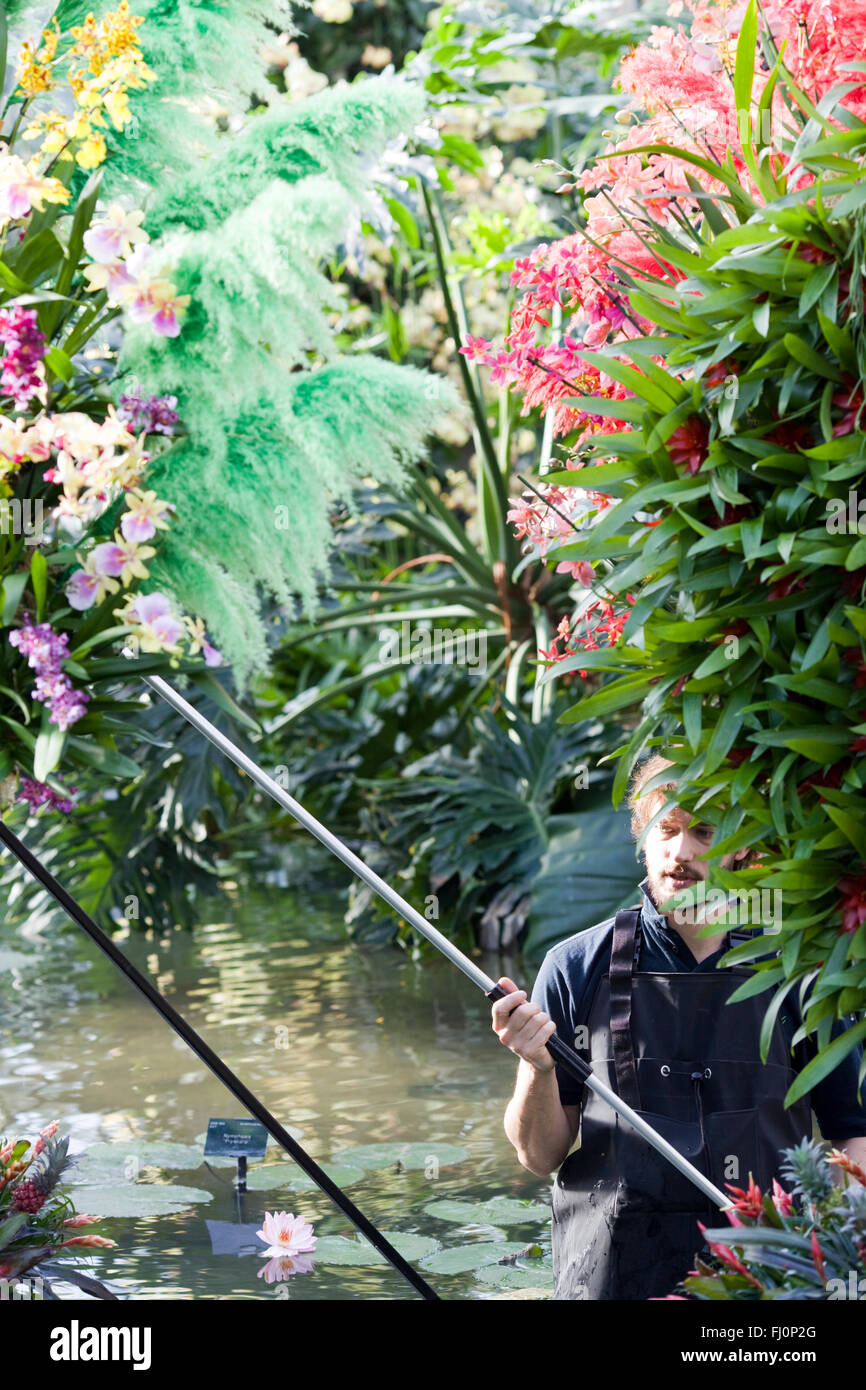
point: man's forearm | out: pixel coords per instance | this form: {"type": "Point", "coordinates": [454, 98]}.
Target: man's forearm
{"type": "Point", "coordinates": [535, 1121]}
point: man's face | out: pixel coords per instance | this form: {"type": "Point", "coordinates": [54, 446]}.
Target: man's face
{"type": "Point", "coordinates": [671, 853]}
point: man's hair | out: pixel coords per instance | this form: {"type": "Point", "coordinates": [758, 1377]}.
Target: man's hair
{"type": "Point", "coordinates": [643, 808]}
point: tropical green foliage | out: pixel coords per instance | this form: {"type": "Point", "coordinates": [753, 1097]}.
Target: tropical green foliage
{"type": "Point", "coordinates": [747, 621]}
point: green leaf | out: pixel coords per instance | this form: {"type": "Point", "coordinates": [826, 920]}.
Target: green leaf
{"type": "Point", "coordinates": [851, 826]}
{"type": "Point", "coordinates": [4, 41]}
{"type": "Point", "coordinates": [49, 749]}
{"type": "Point", "coordinates": [106, 760]}
{"type": "Point", "coordinates": [614, 695]}
{"type": "Point", "coordinates": [13, 590]}
{"type": "Point", "coordinates": [61, 365]}
{"type": "Point", "coordinates": [206, 681]}
{"type": "Point", "coordinates": [692, 714]}
{"type": "Point", "coordinates": [727, 728]}
{"type": "Point", "coordinates": [28, 739]}
{"type": "Point", "coordinates": [758, 983]}
{"type": "Point", "coordinates": [761, 318]}
{"type": "Point", "coordinates": [13, 282]}
{"type": "Point", "coordinates": [808, 357]}
{"type": "Point", "coordinates": [39, 581]}
{"type": "Point", "coordinates": [405, 221]}
{"type": "Point", "coordinates": [85, 207]}
{"type": "Point", "coordinates": [744, 69]}
{"type": "Point", "coordinates": [815, 287]}
{"type": "Point", "coordinates": [826, 1061]}
{"type": "Point", "coordinates": [840, 342]}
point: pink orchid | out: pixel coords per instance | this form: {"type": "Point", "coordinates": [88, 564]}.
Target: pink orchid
{"type": "Point", "coordinates": [108, 559]}
{"type": "Point", "coordinates": [114, 238]}
{"type": "Point", "coordinates": [581, 570]}
{"type": "Point", "coordinates": [160, 629]}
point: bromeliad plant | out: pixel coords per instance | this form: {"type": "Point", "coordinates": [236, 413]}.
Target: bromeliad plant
{"type": "Point", "coordinates": [711, 368]}
{"type": "Point", "coordinates": [806, 1243]}
{"type": "Point", "coordinates": [36, 1217]}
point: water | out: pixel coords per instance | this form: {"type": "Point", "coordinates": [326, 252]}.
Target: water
{"type": "Point", "coordinates": [350, 1045]}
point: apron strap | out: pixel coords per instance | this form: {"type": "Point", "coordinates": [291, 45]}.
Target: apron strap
{"type": "Point", "coordinates": [623, 961]}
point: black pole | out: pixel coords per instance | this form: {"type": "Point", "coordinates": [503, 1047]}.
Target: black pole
{"type": "Point", "coordinates": [214, 1062]}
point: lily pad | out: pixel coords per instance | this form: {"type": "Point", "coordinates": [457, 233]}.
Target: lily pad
{"type": "Point", "coordinates": [522, 1294]}
{"type": "Point", "coordinates": [138, 1199]}
{"type": "Point", "coordinates": [406, 1155]}
{"type": "Point", "coordinates": [499, 1211]}
{"type": "Point", "coordinates": [157, 1154]}
{"type": "Point", "coordinates": [540, 1276]}
{"type": "Point", "coordinates": [14, 960]}
{"type": "Point", "coordinates": [341, 1250]}
{"type": "Point", "coordinates": [288, 1175]}
{"type": "Point", "coordinates": [463, 1259]}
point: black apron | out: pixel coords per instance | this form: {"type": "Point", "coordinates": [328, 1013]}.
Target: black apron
{"type": "Point", "coordinates": [624, 1219]}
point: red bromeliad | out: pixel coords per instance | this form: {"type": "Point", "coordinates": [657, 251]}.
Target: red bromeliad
{"type": "Point", "coordinates": [853, 902]}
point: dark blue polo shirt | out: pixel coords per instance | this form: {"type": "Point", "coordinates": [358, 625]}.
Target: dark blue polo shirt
{"type": "Point", "coordinates": [570, 973]}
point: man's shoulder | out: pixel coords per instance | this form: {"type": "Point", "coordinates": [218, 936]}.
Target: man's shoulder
{"type": "Point", "coordinates": [581, 947]}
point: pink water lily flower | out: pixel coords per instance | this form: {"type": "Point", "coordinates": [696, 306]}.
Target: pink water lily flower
{"type": "Point", "coordinates": [284, 1267]}
{"type": "Point", "coordinates": [286, 1235]}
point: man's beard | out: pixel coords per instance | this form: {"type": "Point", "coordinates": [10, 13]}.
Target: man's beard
{"type": "Point", "coordinates": [662, 887]}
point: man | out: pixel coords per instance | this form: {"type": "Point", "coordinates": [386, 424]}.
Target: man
{"type": "Point", "coordinates": [641, 998]}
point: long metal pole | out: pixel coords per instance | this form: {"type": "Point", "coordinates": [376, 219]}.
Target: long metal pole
{"type": "Point", "coordinates": [560, 1050]}
{"type": "Point", "coordinates": [212, 1059]}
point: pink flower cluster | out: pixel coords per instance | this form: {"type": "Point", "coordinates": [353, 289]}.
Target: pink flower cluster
{"type": "Point", "coordinates": [24, 349]}
{"type": "Point", "coordinates": [38, 794]}
{"type": "Point", "coordinates": [46, 650]}
{"type": "Point", "coordinates": [150, 414]}
{"type": "Point", "coordinates": [683, 96]}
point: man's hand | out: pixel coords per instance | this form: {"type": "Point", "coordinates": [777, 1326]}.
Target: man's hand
{"type": "Point", "coordinates": [523, 1027]}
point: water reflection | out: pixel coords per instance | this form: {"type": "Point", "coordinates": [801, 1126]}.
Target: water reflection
{"type": "Point", "coordinates": [351, 1045]}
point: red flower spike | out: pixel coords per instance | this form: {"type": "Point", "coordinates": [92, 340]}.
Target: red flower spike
{"type": "Point", "coordinates": [750, 1201]}
{"type": "Point", "coordinates": [782, 1200]}
{"type": "Point", "coordinates": [818, 1258]}
{"type": "Point", "coordinates": [847, 1165]}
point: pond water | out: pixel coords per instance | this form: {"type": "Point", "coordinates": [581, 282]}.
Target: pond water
{"type": "Point", "coordinates": [347, 1045]}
